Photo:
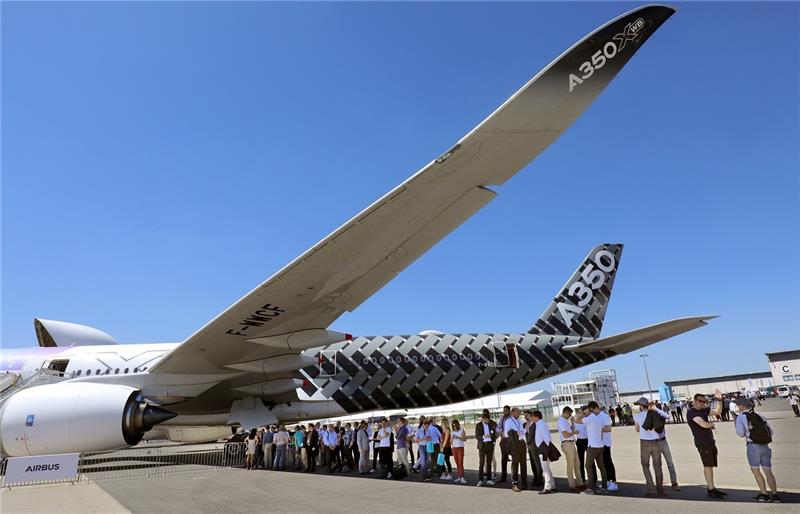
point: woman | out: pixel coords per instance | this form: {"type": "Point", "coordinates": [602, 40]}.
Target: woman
{"type": "Point", "coordinates": [363, 442]}
{"type": "Point", "coordinates": [459, 436]}
{"type": "Point", "coordinates": [446, 450]}
{"type": "Point", "coordinates": [250, 455]}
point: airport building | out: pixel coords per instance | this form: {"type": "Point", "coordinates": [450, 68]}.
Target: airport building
{"type": "Point", "coordinates": [631, 396]}
{"type": "Point", "coordinates": [745, 382]}
{"type": "Point", "coordinates": [785, 367]}
{"type": "Point", "coordinates": [601, 387]}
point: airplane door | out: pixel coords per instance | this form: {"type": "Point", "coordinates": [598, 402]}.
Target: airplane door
{"type": "Point", "coordinates": [505, 354]}
{"type": "Point", "coordinates": [327, 363]}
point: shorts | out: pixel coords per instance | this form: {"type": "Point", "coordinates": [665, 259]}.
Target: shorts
{"type": "Point", "coordinates": [759, 455]}
{"type": "Point", "coordinates": [708, 454]}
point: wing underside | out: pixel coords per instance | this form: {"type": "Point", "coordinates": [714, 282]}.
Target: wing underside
{"type": "Point", "coordinates": [352, 263]}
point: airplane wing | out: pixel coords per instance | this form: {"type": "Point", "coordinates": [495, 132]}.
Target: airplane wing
{"type": "Point", "coordinates": [635, 339]}
{"type": "Point", "coordinates": [337, 274]}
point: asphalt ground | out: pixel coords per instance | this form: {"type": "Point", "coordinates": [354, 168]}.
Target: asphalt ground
{"type": "Point", "coordinates": [224, 490]}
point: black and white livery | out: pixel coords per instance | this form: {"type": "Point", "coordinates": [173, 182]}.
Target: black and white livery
{"type": "Point", "coordinates": [271, 357]}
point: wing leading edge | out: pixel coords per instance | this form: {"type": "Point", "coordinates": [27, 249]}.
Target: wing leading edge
{"type": "Point", "coordinates": [357, 259]}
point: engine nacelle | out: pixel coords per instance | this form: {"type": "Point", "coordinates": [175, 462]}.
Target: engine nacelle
{"type": "Point", "coordinates": [75, 417]}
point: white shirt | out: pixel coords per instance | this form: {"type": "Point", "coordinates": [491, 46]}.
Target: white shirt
{"type": "Point", "coordinates": [514, 424]}
{"type": "Point", "coordinates": [458, 443]}
{"type": "Point", "coordinates": [542, 434]}
{"type": "Point", "coordinates": [606, 435]}
{"type": "Point", "coordinates": [385, 437]}
{"type": "Point", "coordinates": [594, 430]}
{"type": "Point", "coordinates": [581, 428]}
{"type": "Point", "coordinates": [644, 435]}
{"type": "Point", "coordinates": [564, 425]}
{"type": "Point", "coordinates": [487, 435]}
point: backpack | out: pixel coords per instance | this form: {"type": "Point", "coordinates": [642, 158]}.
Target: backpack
{"type": "Point", "coordinates": [399, 472]}
{"type": "Point", "coordinates": [653, 421]}
{"type": "Point", "coordinates": [759, 431]}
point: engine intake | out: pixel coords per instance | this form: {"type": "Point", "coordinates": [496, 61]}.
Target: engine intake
{"type": "Point", "coordinates": [75, 417]}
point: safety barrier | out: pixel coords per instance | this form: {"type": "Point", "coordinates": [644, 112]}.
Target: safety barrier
{"type": "Point", "coordinates": [147, 461]}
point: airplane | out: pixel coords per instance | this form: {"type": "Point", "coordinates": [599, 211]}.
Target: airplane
{"type": "Point", "coordinates": [271, 357]}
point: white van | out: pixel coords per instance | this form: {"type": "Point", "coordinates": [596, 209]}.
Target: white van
{"type": "Point", "coordinates": [783, 391]}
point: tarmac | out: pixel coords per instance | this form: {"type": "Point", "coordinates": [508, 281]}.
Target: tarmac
{"type": "Point", "coordinates": [226, 490]}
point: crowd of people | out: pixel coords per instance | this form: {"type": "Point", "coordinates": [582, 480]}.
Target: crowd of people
{"type": "Point", "coordinates": [436, 447]}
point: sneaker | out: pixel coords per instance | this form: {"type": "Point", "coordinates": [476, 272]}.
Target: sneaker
{"type": "Point", "coordinates": [515, 488]}
{"type": "Point", "coordinates": [775, 498]}
{"type": "Point", "coordinates": [490, 482]}
{"type": "Point", "coordinates": [389, 475]}
{"type": "Point", "coordinates": [463, 480]}
{"type": "Point", "coordinates": [587, 491]}
{"type": "Point", "coordinates": [494, 477]}
{"type": "Point", "coordinates": [545, 491]}
{"type": "Point", "coordinates": [650, 494]}
{"type": "Point", "coordinates": [716, 493]}
{"type": "Point", "coordinates": [479, 484]}
{"type": "Point", "coordinates": [612, 487]}
{"type": "Point", "coordinates": [761, 498]}
{"type": "Point", "coordinates": [676, 487]}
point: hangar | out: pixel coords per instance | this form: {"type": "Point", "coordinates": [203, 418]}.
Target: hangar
{"type": "Point", "coordinates": [785, 367]}
{"type": "Point", "coordinates": [684, 389]}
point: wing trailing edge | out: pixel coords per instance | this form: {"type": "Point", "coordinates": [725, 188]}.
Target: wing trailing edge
{"type": "Point", "coordinates": [635, 339]}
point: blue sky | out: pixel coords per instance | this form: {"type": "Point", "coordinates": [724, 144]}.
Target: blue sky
{"type": "Point", "coordinates": [160, 160]}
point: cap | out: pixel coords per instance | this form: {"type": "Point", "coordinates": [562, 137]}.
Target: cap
{"type": "Point", "coordinates": [643, 401]}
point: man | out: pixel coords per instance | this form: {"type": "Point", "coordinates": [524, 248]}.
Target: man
{"type": "Point", "coordinates": [794, 401]}
{"type": "Point", "coordinates": [402, 447]}
{"type": "Point", "coordinates": [504, 453]}
{"type": "Point", "coordinates": [726, 408]}
{"type": "Point", "coordinates": [485, 436]}
{"type": "Point", "coordinates": [680, 406]}
{"type": "Point", "coordinates": [384, 450]}
{"type": "Point", "coordinates": [703, 433]}
{"type": "Point", "coordinates": [649, 448]}
{"type": "Point", "coordinates": [567, 432]}
{"type": "Point", "coordinates": [427, 433]}
{"type": "Point", "coordinates": [311, 446]}
{"type": "Point", "coordinates": [301, 461]}
{"type": "Point", "coordinates": [363, 442]}
{"type": "Point", "coordinates": [348, 440]}
{"type": "Point", "coordinates": [666, 456]}
{"type": "Point", "coordinates": [673, 410]}
{"type": "Point", "coordinates": [757, 434]}
{"type": "Point", "coordinates": [595, 427]}
{"type": "Point", "coordinates": [281, 441]}
{"type": "Point", "coordinates": [582, 439]}
{"type": "Point", "coordinates": [533, 452]}
{"type": "Point", "coordinates": [542, 442]}
{"type": "Point", "coordinates": [267, 438]}
{"type": "Point", "coordinates": [514, 433]}
{"type": "Point", "coordinates": [611, 470]}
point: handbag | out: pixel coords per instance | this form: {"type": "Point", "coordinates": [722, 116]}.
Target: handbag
{"type": "Point", "coordinates": [430, 447]}
{"type": "Point", "coordinates": [440, 459]}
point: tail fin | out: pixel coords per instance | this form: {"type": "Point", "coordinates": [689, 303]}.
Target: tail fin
{"type": "Point", "coordinates": [580, 306]}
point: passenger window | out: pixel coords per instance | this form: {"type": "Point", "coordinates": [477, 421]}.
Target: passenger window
{"type": "Point", "coordinates": [97, 372]}
{"type": "Point", "coordinates": [116, 371]}
{"type": "Point", "coordinates": [88, 372]}
{"type": "Point", "coordinates": [78, 373]}
{"type": "Point", "coordinates": [126, 371]}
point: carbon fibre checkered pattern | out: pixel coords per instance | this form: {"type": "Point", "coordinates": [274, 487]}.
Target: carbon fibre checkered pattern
{"type": "Point", "coordinates": [589, 321]}
{"type": "Point", "coordinates": [372, 373]}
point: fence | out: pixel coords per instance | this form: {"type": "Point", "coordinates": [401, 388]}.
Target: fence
{"type": "Point", "coordinates": [147, 461]}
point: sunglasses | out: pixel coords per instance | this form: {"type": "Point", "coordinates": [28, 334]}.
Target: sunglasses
{"type": "Point", "coordinates": [701, 401]}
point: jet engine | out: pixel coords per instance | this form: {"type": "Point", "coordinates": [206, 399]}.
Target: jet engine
{"type": "Point", "coordinates": [75, 417]}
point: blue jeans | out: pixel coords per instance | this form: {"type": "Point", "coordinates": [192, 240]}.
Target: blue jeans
{"type": "Point", "coordinates": [280, 457]}
{"type": "Point", "coordinates": [424, 462]}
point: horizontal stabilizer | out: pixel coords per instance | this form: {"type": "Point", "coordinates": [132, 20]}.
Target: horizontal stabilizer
{"type": "Point", "coordinates": [635, 339]}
